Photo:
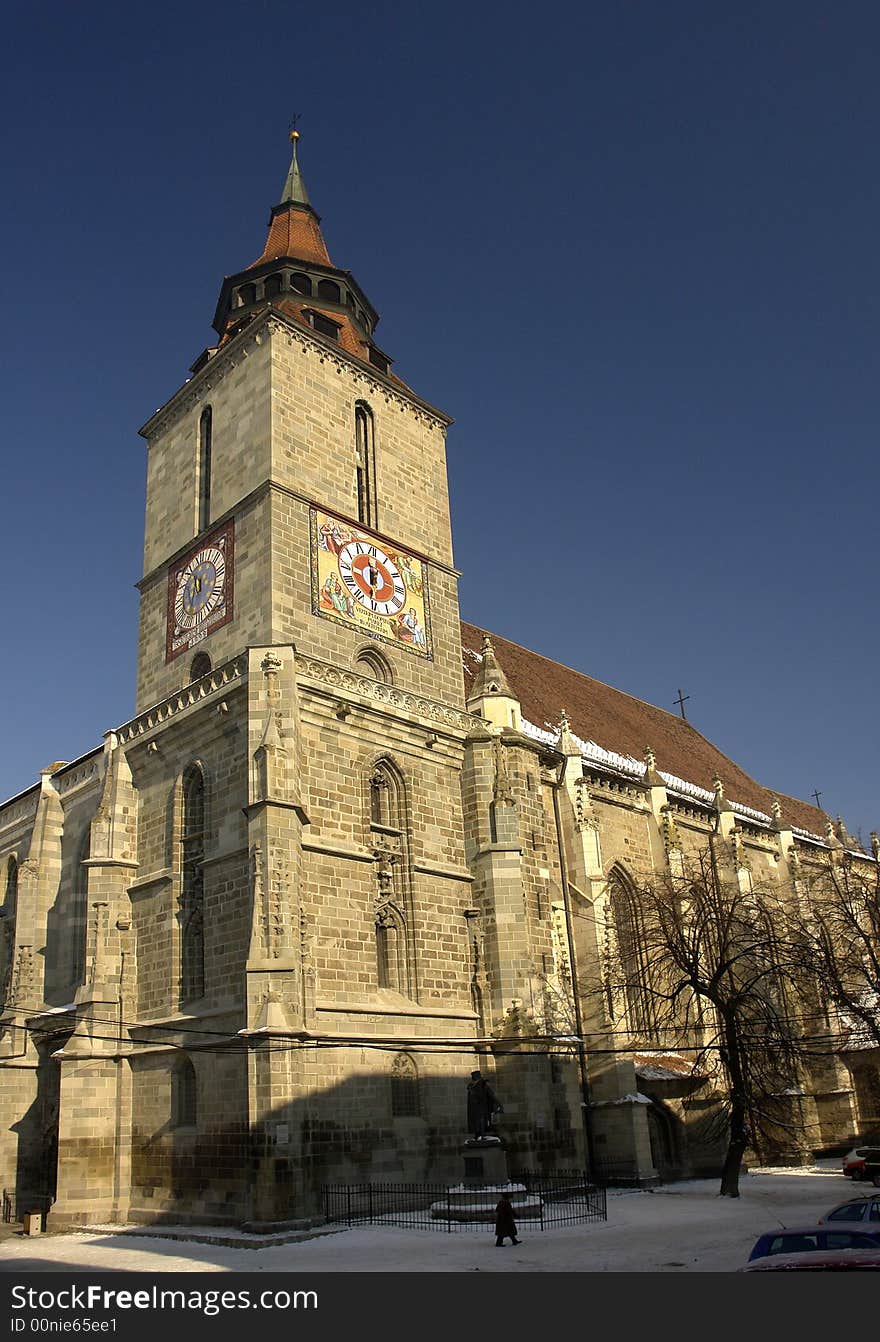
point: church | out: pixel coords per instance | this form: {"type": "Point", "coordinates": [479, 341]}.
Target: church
{"type": "Point", "coordinates": [348, 849]}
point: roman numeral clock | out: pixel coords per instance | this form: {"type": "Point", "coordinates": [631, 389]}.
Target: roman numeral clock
{"type": "Point", "coordinates": [366, 583]}
{"type": "Point", "coordinates": [200, 592]}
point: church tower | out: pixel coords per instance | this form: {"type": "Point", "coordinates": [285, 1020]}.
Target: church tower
{"type": "Point", "coordinates": [297, 753]}
{"type": "Point", "coordinates": [296, 487]}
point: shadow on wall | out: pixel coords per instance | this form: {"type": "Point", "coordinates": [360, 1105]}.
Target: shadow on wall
{"type": "Point", "coordinates": [385, 1115]}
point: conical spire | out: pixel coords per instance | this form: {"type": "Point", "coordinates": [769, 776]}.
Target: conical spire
{"type": "Point", "coordinates": [295, 226]}
{"type": "Point", "coordinates": [294, 192]}
{"type": "Point", "coordinates": [490, 679]}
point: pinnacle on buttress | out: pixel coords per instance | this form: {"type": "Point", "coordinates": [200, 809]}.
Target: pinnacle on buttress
{"type": "Point", "coordinates": [490, 679]}
{"type": "Point", "coordinates": [831, 837]}
{"type": "Point", "coordinates": [652, 777]}
{"type": "Point", "coordinates": [566, 742]}
{"type": "Point", "coordinates": [844, 835]}
{"type": "Point", "coordinates": [721, 802]}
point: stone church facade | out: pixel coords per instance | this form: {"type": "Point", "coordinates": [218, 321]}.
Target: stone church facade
{"type": "Point", "coordinates": [348, 848]}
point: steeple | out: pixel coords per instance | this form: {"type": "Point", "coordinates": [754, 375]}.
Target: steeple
{"type": "Point", "coordinates": [294, 275]}
{"type": "Point", "coordinates": [294, 192]}
{"type": "Point", "coordinates": [294, 225]}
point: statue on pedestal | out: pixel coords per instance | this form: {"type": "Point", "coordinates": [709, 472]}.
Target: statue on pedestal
{"type": "Point", "coordinates": [482, 1105]}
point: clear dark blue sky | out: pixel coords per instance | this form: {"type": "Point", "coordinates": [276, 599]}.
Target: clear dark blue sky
{"type": "Point", "coordinates": [630, 247]}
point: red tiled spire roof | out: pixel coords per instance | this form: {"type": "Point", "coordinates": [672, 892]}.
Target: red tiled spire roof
{"type": "Point", "coordinates": [619, 722]}
{"type": "Point", "coordinates": [295, 231]}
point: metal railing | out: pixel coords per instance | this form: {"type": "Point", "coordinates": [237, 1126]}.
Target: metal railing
{"type": "Point", "coordinates": [539, 1201]}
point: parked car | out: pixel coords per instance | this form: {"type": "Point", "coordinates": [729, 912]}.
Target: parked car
{"type": "Point", "coordinates": [819, 1260]}
{"type": "Point", "coordinates": [865, 1210]}
{"type": "Point", "coordinates": [860, 1157]}
{"type": "Point", "coordinates": [815, 1239]}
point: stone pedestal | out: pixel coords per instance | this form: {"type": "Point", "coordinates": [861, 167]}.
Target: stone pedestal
{"type": "Point", "coordinates": [484, 1161]}
{"type": "Point", "coordinates": [478, 1204]}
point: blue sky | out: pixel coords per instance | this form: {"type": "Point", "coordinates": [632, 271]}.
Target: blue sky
{"type": "Point", "coordinates": [630, 247]}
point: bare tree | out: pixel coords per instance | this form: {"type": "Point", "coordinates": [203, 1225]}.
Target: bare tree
{"type": "Point", "coordinates": [839, 938]}
{"type": "Point", "coordinates": [699, 963]}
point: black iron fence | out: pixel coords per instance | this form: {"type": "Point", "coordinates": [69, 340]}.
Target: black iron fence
{"type": "Point", "coordinates": [539, 1200]}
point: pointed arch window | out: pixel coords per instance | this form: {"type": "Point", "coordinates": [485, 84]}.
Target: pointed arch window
{"type": "Point", "coordinates": [392, 915]}
{"type": "Point", "coordinates": [633, 958]}
{"type": "Point", "coordinates": [192, 893]}
{"type": "Point", "coordinates": [365, 458]}
{"type": "Point", "coordinates": [79, 920]}
{"type": "Point", "coordinates": [206, 429]}
{"type": "Point", "coordinates": [404, 1087]}
{"type": "Point", "coordinates": [7, 928]}
{"type": "Point", "coordinates": [184, 1095]}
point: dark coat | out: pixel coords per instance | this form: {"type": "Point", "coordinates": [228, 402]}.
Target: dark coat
{"type": "Point", "coordinates": [504, 1222]}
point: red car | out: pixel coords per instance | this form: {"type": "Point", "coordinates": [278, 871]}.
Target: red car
{"type": "Point", "coordinates": [862, 1162]}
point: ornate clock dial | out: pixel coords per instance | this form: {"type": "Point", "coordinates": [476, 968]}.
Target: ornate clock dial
{"type": "Point", "coordinates": [369, 584]}
{"type": "Point", "coordinates": [200, 588]}
{"type": "Point", "coordinates": [200, 592]}
{"type": "Point", "coordinates": [372, 578]}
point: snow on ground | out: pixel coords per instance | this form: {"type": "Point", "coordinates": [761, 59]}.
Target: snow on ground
{"type": "Point", "coordinates": [677, 1228]}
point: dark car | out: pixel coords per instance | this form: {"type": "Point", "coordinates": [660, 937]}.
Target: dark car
{"type": "Point", "coordinates": [818, 1260]}
{"type": "Point", "coordinates": [865, 1210]}
{"type": "Point", "coordinates": [815, 1240]}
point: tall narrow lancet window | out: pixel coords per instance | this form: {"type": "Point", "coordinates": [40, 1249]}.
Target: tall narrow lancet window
{"type": "Point", "coordinates": [205, 434]}
{"type": "Point", "coordinates": [79, 919]}
{"type": "Point", "coordinates": [184, 1095]}
{"type": "Point", "coordinates": [365, 456]}
{"type": "Point", "coordinates": [7, 928]}
{"type": "Point", "coordinates": [392, 913]}
{"type": "Point", "coordinates": [633, 958]}
{"type": "Point", "coordinates": [192, 892]}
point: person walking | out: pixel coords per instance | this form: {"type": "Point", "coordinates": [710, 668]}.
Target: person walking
{"type": "Point", "coordinates": [505, 1226]}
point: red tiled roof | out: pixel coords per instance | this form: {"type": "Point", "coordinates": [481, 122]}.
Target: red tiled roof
{"type": "Point", "coordinates": [617, 721]}
{"type": "Point", "coordinates": [294, 232]}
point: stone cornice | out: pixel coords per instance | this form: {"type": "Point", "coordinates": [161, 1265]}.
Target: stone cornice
{"type": "Point", "coordinates": [374, 381]}
{"type": "Point", "coordinates": [336, 682]}
{"type": "Point", "coordinates": [217, 682]}
{"type": "Point", "coordinates": [193, 391]}
{"type": "Point", "coordinates": [197, 387]}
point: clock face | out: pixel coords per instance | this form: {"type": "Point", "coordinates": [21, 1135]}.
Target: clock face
{"type": "Point", "coordinates": [370, 585]}
{"type": "Point", "coordinates": [200, 592]}
{"type": "Point", "coordinates": [200, 587]}
{"type": "Point", "coordinates": [372, 578]}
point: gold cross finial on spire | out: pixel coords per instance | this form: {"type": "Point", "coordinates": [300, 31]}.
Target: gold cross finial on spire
{"type": "Point", "coordinates": [294, 133]}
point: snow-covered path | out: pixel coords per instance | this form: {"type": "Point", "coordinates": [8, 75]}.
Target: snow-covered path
{"type": "Point", "coordinates": [678, 1228]}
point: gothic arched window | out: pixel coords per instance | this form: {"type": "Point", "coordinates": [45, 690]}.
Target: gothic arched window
{"type": "Point", "coordinates": [7, 928]}
{"type": "Point", "coordinates": [184, 1095]}
{"type": "Point", "coordinates": [192, 891]}
{"type": "Point", "coordinates": [79, 920]}
{"type": "Point", "coordinates": [404, 1087]}
{"type": "Point", "coordinates": [633, 959]}
{"type": "Point", "coordinates": [205, 436]}
{"type": "Point", "coordinates": [365, 458]}
{"type": "Point", "coordinates": [392, 915]}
